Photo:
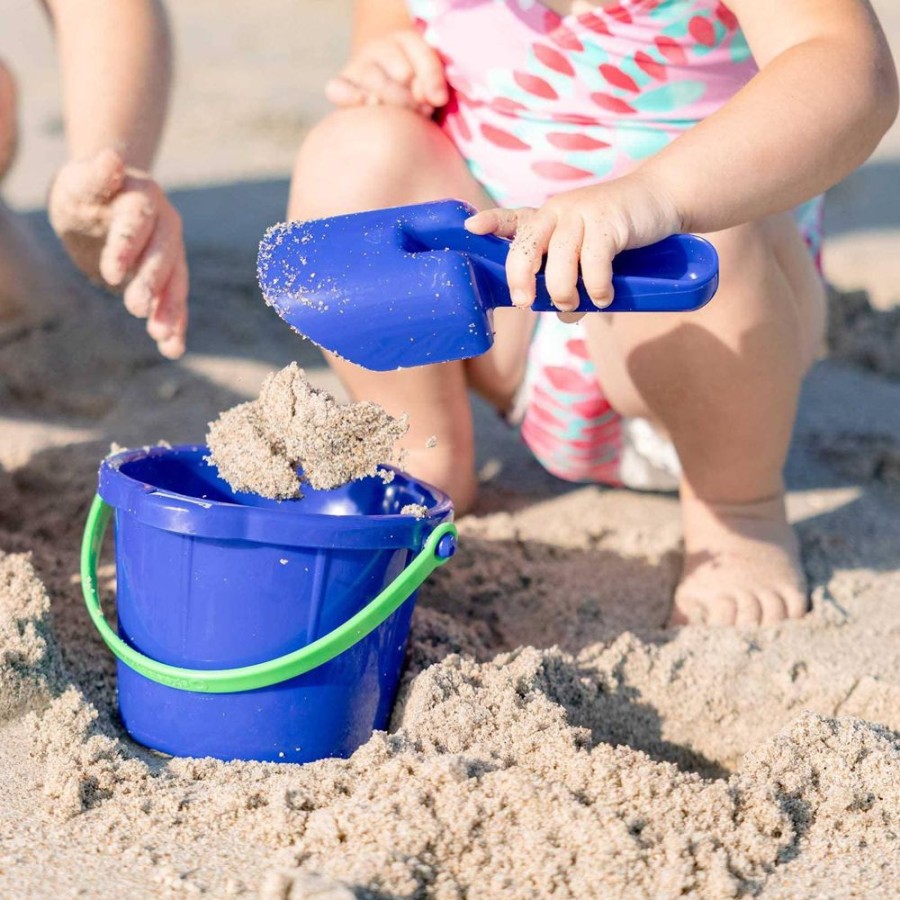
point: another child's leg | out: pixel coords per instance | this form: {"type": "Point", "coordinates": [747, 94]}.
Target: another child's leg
{"type": "Point", "coordinates": [11, 300]}
{"type": "Point", "coordinates": [8, 126]}
{"type": "Point", "coordinates": [31, 284]}
{"type": "Point", "coordinates": [380, 156]}
{"type": "Point", "coordinates": [724, 383]}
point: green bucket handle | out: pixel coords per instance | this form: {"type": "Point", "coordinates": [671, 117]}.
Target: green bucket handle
{"type": "Point", "coordinates": [439, 547]}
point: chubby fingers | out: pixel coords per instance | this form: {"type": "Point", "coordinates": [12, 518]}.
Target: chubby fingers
{"type": "Point", "coordinates": [167, 324]}
{"type": "Point", "coordinates": [598, 249]}
{"type": "Point", "coordinates": [574, 247]}
{"type": "Point", "coordinates": [531, 231]}
{"type": "Point", "coordinates": [158, 290]}
{"type": "Point", "coordinates": [368, 81]}
{"type": "Point", "coordinates": [392, 57]}
{"type": "Point", "coordinates": [563, 259]}
{"type": "Point", "coordinates": [526, 254]}
{"type": "Point", "coordinates": [502, 222]}
{"type": "Point", "coordinates": [82, 191]}
{"type": "Point", "coordinates": [131, 225]}
{"type": "Point", "coordinates": [429, 84]}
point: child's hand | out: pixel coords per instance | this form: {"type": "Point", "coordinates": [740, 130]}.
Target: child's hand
{"type": "Point", "coordinates": [400, 69]}
{"type": "Point", "coordinates": [119, 227]}
{"type": "Point", "coordinates": [586, 227]}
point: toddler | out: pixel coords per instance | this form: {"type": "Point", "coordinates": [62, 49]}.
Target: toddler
{"type": "Point", "coordinates": [582, 129]}
{"type": "Point", "coordinates": [114, 220]}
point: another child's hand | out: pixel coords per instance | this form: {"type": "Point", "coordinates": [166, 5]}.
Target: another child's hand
{"type": "Point", "coordinates": [582, 228]}
{"type": "Point", "coordinates": [400, 69]}
{"type": "Point", "coordinates": [119, 227]}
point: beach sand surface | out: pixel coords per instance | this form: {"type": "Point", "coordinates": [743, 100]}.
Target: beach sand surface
{"type": "Point", "coordinates": [552, 737]}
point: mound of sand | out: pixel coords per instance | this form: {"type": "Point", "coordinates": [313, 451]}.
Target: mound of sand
{"type": "Point", "coordinates": [622, 763]}
{"type": "Point", "coordinates": [550, 737]}
{"type": "Point", "coordinates": [257, 446]}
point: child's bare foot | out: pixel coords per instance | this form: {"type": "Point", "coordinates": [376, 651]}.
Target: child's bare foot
{"type": "Point", "coordinates": [742, 564]}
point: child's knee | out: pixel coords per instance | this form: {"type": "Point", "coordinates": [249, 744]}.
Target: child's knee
{"type": "Point", "coordinates": [369, 144]}
{"type": "Point", "coordinates": [769, 269]}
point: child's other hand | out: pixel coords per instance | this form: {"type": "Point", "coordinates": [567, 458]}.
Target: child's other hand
{"type": "Point", "coordinates": [400, 69]}
{"type": "Point", "coordinates": [119, 227]}
{"type": "Point", "coordinates": [583, 228]}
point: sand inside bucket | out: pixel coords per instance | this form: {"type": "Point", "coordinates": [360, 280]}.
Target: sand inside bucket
{"type": "Point", "coordinates": [257, 446]}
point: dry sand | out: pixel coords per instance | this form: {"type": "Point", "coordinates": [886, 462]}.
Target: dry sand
{"type": "Point", "coordinates": [258, 445]}
{"type": "Point", "coordinates": [551, 738]}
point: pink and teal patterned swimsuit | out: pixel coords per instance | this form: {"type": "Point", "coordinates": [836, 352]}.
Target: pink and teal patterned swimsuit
{"type": "Point", "coordinates": [542, 103]}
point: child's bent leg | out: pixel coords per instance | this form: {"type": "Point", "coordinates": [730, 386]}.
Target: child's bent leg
{"type": "Point", "coordinates": [9, 307]}
{"type": "Point", "coordinates": [30, 283]}
{"type": "Point", "coordinates": [724, 383]}
{"type": "Point", "coordinates": [13, 288]}
{"type": "Point", "coordinates": [8, 126]}
{"type": "Point", "coordinates": [378, 156]}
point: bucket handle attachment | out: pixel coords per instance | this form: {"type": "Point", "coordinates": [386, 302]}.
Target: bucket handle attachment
{"type": "Point", "coordinates": [438, 548]}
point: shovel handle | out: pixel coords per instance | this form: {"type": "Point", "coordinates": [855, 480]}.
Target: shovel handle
{"type": "Point", "coordinates": [677, 274]}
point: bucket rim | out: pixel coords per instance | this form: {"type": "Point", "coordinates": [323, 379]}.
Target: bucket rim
{"type": "Point", "coordinates": [280, 523]}
{"type": "Point", "coordinates": [437, 550]}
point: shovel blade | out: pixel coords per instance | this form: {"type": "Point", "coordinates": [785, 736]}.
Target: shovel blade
{"type": "Point", "coordinates": [361, 287]}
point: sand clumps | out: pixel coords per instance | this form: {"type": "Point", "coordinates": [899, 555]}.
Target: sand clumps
{"type": "Point", "coordinates": [29, 670]}
{"type": "Point", "coordinates": [257, 446]}
{"type": "Point", "coordinates": [860, 333]}
{"type": "Point", "coordinates": [487, 790]}
{"type": "Point", "coordinates": [628, 764]}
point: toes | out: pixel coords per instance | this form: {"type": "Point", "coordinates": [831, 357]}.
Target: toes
{"type": "Point", "coordinates": [721, 611]}
{"type": "Point", "coordinates": [772, 607]}
{"type": "Point", "coordinates": [688, 610]}
{"type": "Point", "coordinates": [748, 609]}
{"type": "Point", "coordinates": [765, 607]}
{"type": "Point", "coordinates": [787, 603]}
{"type": "Point", "coordinates": [680, 615]}
{"type": "Point", "coordinates": [796, 602]}
{"type": "Point", "coordinates": [716, 611]}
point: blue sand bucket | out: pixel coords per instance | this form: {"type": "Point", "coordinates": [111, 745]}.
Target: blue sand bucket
{"type": "Point", "coordinates": [253, 629]}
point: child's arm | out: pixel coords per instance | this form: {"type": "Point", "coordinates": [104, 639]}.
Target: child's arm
{"type": "Point", "coordinates": [390, 62]}
{"type": "Point", "coordinates": [826, 93]}
{"type": "Point", "coordinates": [114, 219]}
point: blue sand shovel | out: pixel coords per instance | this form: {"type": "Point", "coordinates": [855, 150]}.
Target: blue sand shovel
{"type": "Point", "coordinates": [409, 286]}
